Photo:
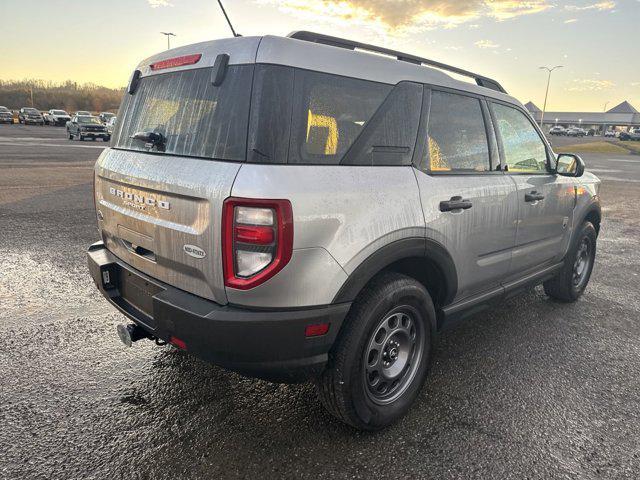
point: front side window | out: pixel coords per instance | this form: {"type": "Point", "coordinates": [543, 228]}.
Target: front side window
{"type": "Point", "coordinates": [194, 117]}
{"type": "Point", "coordinates": [524, 150]}
{"type": "Point", "coordinates": [329, 113]}
{"type": "Point", "coordinates": [457, 135]}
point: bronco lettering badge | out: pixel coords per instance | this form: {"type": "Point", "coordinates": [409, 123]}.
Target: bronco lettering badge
{"type": "Point", "coordinates": [139, 201]}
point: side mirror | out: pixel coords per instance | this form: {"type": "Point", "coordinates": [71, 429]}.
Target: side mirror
{"type": "Point", "coordinates": [569, 165]}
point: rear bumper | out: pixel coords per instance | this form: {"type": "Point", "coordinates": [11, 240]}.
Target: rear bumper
{"type": "Point", "coordinates": [266, 344]}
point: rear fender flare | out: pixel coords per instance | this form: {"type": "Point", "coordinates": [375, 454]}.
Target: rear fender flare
{"type": "Point", "coordinates": [393, 252]}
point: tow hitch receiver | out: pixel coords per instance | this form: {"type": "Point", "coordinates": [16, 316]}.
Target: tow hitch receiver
{"type": "Point", "coordinates": [131, 333]}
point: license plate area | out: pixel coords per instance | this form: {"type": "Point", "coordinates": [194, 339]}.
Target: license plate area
{"type": "Point", "coordinates": [137, 293]}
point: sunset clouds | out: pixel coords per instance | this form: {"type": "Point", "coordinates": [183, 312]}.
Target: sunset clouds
{"type": "Point", "coordinates": [409, 14]}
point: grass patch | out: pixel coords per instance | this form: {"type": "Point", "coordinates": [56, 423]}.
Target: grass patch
{"type": "Point", "coordinates": [594, 147]}
{"type": "Point", "coordinates": [633, 147]}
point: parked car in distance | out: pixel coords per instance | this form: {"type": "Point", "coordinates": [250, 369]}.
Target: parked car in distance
{"type": "Point", "coordinates": [83, 113]}
{"type": "Point", "coordinates": [81, 127]}
{"type": "Point", "coordinates": [111, 123]}
{"type": "Point", "coordinates": [557, 130]}
{"type": "Point", "coordinates": [217, 235]}
{"type": "Point", "coordinates": [105, 116]}
{"type": "Point", "coordinates": [28, 115]}
{"type": "Point", "coordinates": [610, 133]}
{"type": "Point", "coordinates": [575, 132]}
{"type": "Point", "coordinates": [56, 117]}
{"type": "Point", "coordinates": [632, 135]}
{"type": "Point", "coordinates": [6, 115]}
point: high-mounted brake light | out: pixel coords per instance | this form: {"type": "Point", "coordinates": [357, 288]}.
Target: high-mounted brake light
{"type": "Point", "coordinates": [176, 62]}
{"type": "Point", "coordinates": [257, 240]}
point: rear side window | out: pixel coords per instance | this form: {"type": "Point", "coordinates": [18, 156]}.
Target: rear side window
{"type": "Point", "coordinates": [524, 150]}
{"type": "Point", "coordinates": [457, 134]}
{"type": "Point", "coordinates": [390, 136]}
{"type": "Point", "coordinates": [195, 117]}
{"type": "Point", "coordinates": [329, 113]}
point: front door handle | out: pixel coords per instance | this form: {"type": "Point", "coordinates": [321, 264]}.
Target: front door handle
{"type": "Point", "coordinates": [533, 197]}
{"type": "Point", "coordinates": [456, 203]}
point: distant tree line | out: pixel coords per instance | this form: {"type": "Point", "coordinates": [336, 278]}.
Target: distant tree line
{"type": "Point", "coordinates": [70, 96]}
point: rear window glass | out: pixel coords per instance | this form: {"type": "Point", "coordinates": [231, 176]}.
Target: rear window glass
{"type": "Point", "coordinates": [195, 117]}
{"type": "Point", "coordinates": [329, 113]}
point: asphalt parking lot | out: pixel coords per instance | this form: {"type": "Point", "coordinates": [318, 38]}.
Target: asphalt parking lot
{"type": "Point", "coordinates": [533, 389]}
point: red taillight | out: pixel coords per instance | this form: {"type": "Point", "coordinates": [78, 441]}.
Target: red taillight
{"type": "Point", "coordinates": [257, 240]}
{"type": "Point", "coordinates": [316, 330]}
{"type": "Point", "coordinates": [254, 234]}
{"type": "Point", "coordinates": [176, 62]}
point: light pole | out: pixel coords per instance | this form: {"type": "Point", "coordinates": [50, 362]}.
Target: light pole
{"type": "Point", "coordinates": [546, 95]}
{"type": "Point", "coordinates": [168, 35]}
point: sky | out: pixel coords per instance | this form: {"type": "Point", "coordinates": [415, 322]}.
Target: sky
{"type": "Point", "coordinates": [102, 41]}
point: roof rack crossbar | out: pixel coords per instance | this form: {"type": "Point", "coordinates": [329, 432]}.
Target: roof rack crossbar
{"type": "Point", "coordinates": [403, 57]}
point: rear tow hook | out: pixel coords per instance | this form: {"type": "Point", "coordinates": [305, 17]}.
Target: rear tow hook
{"type": "Point", "coordinates": [132, 333]}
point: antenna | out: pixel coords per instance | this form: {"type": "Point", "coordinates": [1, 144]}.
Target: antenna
{"type": "Point", "coordinates": [228, 21]}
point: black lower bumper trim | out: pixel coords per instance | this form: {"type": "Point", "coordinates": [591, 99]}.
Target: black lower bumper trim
{"type": "Point", "coordinates": [266, 344]}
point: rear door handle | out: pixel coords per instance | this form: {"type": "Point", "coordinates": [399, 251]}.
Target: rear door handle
{"type": "Point", "coordinates": [456, 203]}
{"type": "Point", "coordinates": [533, 197]}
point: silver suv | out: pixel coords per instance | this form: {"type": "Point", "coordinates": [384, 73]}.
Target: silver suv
{"type": "Point", "coordinates": [302, 209]}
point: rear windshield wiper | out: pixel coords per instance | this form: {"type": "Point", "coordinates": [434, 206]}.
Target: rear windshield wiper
{"type": "Point", "coordinates": [150, 139]}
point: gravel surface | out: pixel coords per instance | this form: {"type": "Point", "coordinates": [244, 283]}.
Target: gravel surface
{"type": "Point", "coordinates": [532, 389]}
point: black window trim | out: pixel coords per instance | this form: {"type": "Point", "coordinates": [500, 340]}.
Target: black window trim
{"type": "Point", "coordinates": [422, 162]}
{"type": "Point", "coordinates": [498, 135]}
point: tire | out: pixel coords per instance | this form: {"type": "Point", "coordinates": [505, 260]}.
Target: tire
{"type": "Point", "coordinates": [347, 388]}
{"type": "Point", "coordinates": [106, 139]}
{"type": "Point", "coordinates": [572, 280]}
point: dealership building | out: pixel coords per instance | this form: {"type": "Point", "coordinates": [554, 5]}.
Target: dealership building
{"type": "Point", "coordinates": [620, 117]}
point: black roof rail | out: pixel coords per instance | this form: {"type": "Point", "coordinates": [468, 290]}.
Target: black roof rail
{"type": "Point", "coordinates": [403, 57]}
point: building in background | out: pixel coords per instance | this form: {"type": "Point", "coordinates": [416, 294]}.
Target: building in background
{"type": "Point", "coordinates": [620, 117]}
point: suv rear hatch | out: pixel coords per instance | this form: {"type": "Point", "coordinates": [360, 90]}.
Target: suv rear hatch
{"type": "Point", "coordinates": [160, 202]}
